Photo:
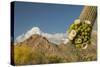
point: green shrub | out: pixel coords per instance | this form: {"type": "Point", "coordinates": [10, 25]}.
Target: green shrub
{"type": "Point", "coordinates": [54, 59]}
{"type": "Point", "coordinates": [25, 55]}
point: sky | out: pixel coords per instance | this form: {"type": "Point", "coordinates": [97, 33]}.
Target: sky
{"type": "Point", "coordinates": [50, 18]}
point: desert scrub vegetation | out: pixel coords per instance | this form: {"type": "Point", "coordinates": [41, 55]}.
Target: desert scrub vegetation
{"type": "Point", "coordinates": [54, 59]}
{"type": "Point", "coordinates": [25, 55]}
{"type": "Point", "coordinates": [22, 55]}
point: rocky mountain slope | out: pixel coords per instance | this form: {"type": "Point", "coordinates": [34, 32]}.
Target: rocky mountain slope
{"type": "Point", "coordinates": [38, 50]}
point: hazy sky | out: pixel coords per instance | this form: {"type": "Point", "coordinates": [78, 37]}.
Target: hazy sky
{"type": "Point", "coordinates": [50, 18]}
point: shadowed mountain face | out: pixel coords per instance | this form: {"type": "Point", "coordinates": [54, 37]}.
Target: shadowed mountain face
{"type": "Point", "coordinates": [38, 50]}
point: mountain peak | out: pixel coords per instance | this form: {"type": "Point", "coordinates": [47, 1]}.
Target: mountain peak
{"type": "Point", "coordinates": [54, 38]}
{"type": "Point", "coordinates": [34, 30]}
{"type": "Point", "coordinates": [29, 33]}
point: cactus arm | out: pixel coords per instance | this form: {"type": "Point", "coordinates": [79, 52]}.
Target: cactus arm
{"type": "Point", "coordinates": [80, 30]}
{"type": "Point", "coordinates": [89, 13]}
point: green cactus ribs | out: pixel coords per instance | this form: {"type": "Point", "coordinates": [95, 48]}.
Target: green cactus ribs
{"type": "Point", "coordinates": [79, 33]}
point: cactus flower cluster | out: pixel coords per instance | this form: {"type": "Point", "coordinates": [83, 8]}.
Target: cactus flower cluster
{"type": "Point", "coordinates": [79, 33]}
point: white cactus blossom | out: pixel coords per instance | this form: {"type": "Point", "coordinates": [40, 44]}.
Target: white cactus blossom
{"type": "Point", "coordinates": [77, 21]}
{"type": "Point", "coordinates": [70, 37]}
{"type": "Point", "coordinates": [87, 22]}
{"type": "Point", "coordinates": [84, 45]}
{"type": "Point", "coordinates": [66, 41]}
{"type": "Point", "coordinates": [72, 33]}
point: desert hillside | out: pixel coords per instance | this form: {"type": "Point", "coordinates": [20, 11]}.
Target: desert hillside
{"type": "Point", "coordinates": [38, 50]}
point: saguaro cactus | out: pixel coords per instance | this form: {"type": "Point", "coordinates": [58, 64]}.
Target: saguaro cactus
{"type": "Point", "coordinates": [80, 30]}
{"type": "Point", "coordinates": [89, 13]}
